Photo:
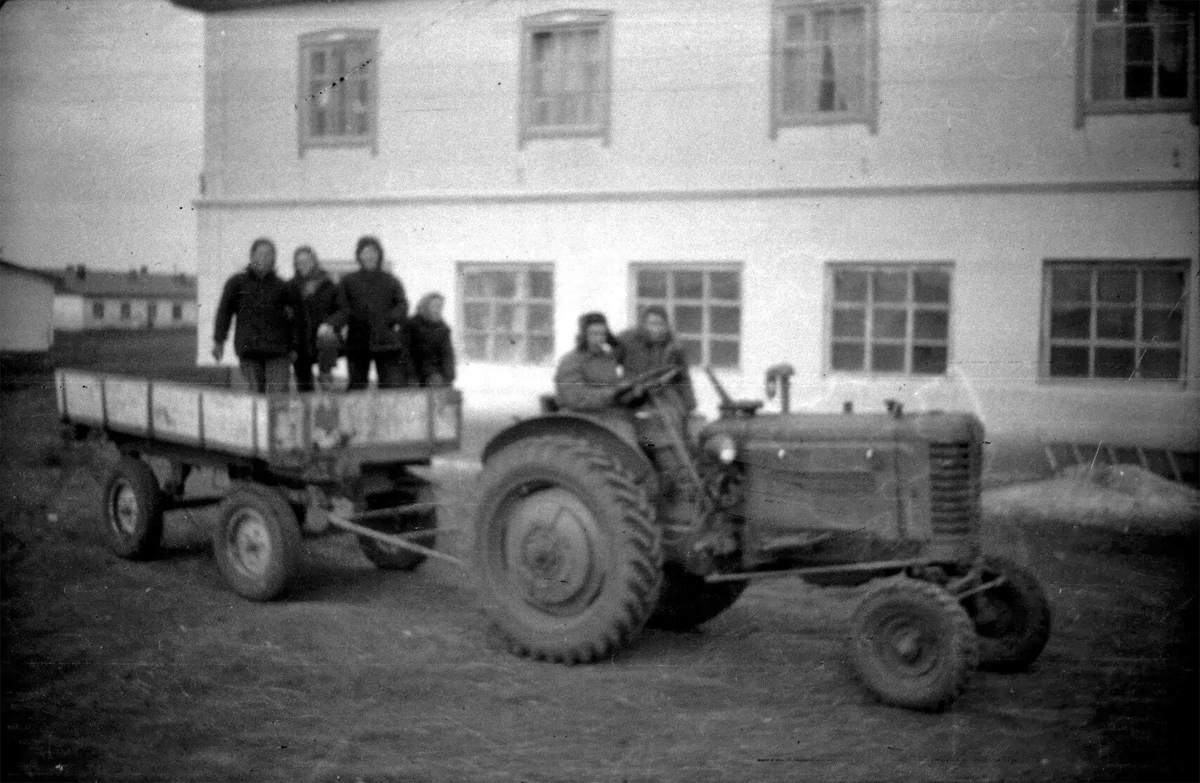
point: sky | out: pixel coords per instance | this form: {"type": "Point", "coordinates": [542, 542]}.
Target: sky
{"type": "Point", "coordinates": [101, 133]}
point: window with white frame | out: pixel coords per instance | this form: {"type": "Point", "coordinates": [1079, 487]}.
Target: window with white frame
{"type": "Point", "coordinates": [338, 93]}
{"type": "Point", "coordinates": [98, 310]}
{"type": "Point", "coordinates": [176, 312]}
{"type": "Point", "coordinates": [823, 68]}
{"type": "Point", "coordinates": [1139, 55]}
{"type": "Point", "coordinates": [1114, 319]}
{"type": "Point", "coordinates": [889, 318]}
{"type": "Point", "coordinates": [507, 313]}
{"type": "Point", "coordinates": [126, 311]}
{"type": "Point", "coordinates": [704, 302]}
{"type": "Point", "coordinates": [565, 74]}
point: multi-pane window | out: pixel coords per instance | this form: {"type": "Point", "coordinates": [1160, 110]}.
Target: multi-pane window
{"type": "Point", "coordinates": [507, 312]}
{"type": "Point", "coordinates": [176, 312]}
{"type": "Point", "coordinates": [705, 307]}
{"type": "Point", "coordinates": [565, 75]}
{"type": "Point", "coordinates": [823, 64]}
{"type": "Point", "coordinates": [338, 92]}
{"type": "Point", "coordinates": [1114, 319]}
{"type": "Point", "coordinates": [126, 311]}
{"type": "Point", "coordinates": [98, 310]}
{"type": "Point", "coordinates": [1140, 55]}
{"type": "Point", "coordinates": [889, 318]}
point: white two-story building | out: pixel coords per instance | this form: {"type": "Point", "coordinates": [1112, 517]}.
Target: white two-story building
{"type": "Point", "coordinates": [961, 204]}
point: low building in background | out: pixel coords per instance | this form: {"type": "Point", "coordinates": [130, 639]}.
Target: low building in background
{"type": "Point", "coordinates": [136, 299]}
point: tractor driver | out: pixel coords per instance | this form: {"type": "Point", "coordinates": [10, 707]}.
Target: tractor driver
{"type": "Point", "coordinates": [588, 376]}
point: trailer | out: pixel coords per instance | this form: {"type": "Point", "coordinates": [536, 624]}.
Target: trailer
{"type": "Point", "coordinates": [298, 464]}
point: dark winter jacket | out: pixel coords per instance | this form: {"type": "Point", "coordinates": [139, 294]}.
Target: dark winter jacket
{"type": "Point", "coordinates": [270, 318]}
{"type": "Point", "coordinates": [586, 381]}
{"type": "Point", "coordinates": [319, 294]}
{"type": "Point", "coordinates": [431, 350]}
{"type": "Point", "coordinates": [639, 355]}
{"type": "Point", "coordinates": [373, 304]}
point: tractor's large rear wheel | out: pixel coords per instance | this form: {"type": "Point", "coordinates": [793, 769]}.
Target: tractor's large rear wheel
{"type": "Point", "coordinates": [567, 554]}
{"type": "Point", "coordinates": [913, 644]}
{"type": "Point", "coordinates": [687, 600]}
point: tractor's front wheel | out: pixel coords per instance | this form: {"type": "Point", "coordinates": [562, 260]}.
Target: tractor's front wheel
{"type": "Point", "coordinates": [567, 554]}
{"type": "Point", "coordinates": [1012, 619]}
{"type": "Point", "coordinates": [913, 644]}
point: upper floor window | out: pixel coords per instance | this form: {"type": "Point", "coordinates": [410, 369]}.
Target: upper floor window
{"type": "Point", "coordinates": [1139, 56]}
{"type": "Point", "coordinates": [823, 63]}
{"type": "Point", "coordinates": [889, 318]}
{"type": "Point", "coordinates": [98, 310]}
{"type": "Point", "coordinates": [176, 312]}
{"type": "Point", "coordinates": [1114, 319]}
{"type": "Point", "coordinates": [565, 75]}
{"type": "Point", "coordinates": [338, 100]}
{"type": "Point", "coordinates": [704, 302]}
{"type": "Point", "coordinates": [507, 312]}
{"type": "Point", "coordinates": [126, 311]}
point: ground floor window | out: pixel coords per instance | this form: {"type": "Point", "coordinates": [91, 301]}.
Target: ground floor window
{"type": "Point", "coordinates": [704, 302]}
{"type": "Point", "coordinates": [1114, 319]}
{"type": "Point", "coordinates": [507, 312]}
{"type": "Point", "coordinates": [889, 318]}
{"type": "Point", "coordinates": [98, 310]}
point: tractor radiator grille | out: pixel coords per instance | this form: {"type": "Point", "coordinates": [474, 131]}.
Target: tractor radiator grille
{"type": "Point", "coordinates": [954, 470]}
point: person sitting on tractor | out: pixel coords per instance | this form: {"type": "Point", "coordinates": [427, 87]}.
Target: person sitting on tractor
{"type": "Point", "coordinates": [588, 377]}
{"type": "Point", "coordinates": [651, 346]}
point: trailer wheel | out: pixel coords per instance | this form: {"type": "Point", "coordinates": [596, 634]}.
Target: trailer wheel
{"type": "Point", "coordinates": [257, 542]}
{"type": "Point", "coordinates": [1012, 620]}
{"type": "Point", "coordinates": [912, 644]}
{"type": "Point", "coordinates": [687, 600]}
{"type": "Point", "coordinates": [567, 555]}
{"type": "Point", "coordinates": [133, 510]}
{"type": "Point", "coordinates": [394, 558]}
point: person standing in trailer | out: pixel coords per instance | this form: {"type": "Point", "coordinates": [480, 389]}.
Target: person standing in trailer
{"type": "Point", "coordinates": [270, 322]}
{"type": "Point", "coordinates": [429, 343]}
{"type": "Point", "coordinates": [372, 305]}
{"type": "Point", "coordinates": [315, 288]}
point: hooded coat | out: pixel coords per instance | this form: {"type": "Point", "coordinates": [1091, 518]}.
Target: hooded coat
{"type": "Point", "coordinates": [372, 303]}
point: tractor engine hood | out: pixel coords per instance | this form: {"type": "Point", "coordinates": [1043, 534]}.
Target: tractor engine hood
{"type": "Point", "coordinates": [934, 427]}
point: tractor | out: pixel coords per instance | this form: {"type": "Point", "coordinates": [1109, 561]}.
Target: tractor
{"type": "Point", "coordinates": [591, 526]}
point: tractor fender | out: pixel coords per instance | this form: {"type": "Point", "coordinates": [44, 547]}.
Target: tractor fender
{"type": "Point", "coordinates": [613, 431]}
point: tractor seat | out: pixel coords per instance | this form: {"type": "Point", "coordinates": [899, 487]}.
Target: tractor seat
{"type": "Point", "coordinates": [740, 408]}
{"type": "Point", "coordinates": [548, 403]}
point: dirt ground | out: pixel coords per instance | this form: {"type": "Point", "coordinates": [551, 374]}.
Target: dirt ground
{"type": "Point", "coordinates": [115, 670]}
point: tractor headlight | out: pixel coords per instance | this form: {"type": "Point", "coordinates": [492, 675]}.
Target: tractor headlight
{"type": "Point", "coordinates": [722, 447]}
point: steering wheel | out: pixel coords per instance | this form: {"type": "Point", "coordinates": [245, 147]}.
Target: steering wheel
{"type": "Point", "coordinates": [633, 389]}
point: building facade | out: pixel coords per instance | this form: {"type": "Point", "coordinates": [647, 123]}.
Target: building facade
{"type": "Point", "coordinates": [955, 203]}
{"type": "Point", "coordinates": [92, 299]}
